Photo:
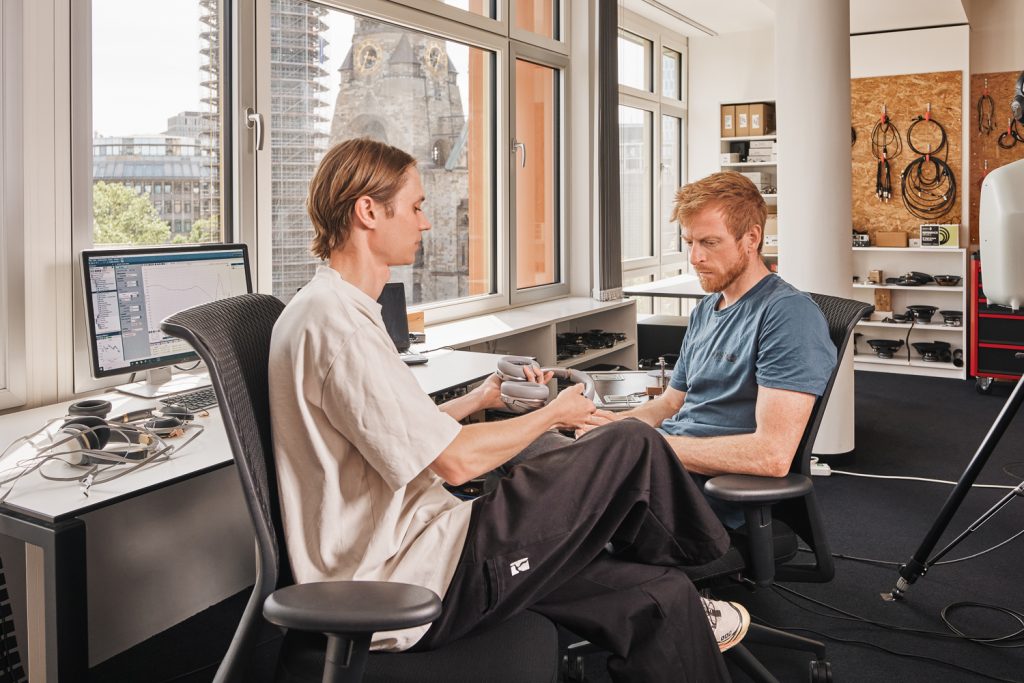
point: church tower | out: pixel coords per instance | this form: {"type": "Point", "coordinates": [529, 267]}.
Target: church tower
{"type": "Point", "coordinates": [399, 87]}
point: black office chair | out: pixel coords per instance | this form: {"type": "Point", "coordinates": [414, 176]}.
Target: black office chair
{"type": "Point", "coordinates": [781, 511]}
{"type": "Point", "coordinates": [329, 624]}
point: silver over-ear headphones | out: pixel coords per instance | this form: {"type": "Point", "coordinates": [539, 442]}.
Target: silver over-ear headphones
{"type": "Point", "coordinates": [522, 396]}
{"type": "Point", "coordinates": [1017, 105]}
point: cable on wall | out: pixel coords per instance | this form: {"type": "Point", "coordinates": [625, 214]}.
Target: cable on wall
{"type": "Point", "coordinates": [927, 183]}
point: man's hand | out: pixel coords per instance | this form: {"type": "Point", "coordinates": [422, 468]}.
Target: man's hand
{"type": "Point", "coordinates": [571, 409]}
{"type": "Point", "coordinates": [488, 394]}
{"type": "Point", "coordinates": [598, 418]}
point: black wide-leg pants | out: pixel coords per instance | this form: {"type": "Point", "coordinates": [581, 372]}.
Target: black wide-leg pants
{"type": "Point", "coordinates": [591, 535]}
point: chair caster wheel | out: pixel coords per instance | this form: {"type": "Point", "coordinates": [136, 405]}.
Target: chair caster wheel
{"type": "Point", "coordinates": [821, 671]}
{"type": "Point", "coordinates": [572, 669]}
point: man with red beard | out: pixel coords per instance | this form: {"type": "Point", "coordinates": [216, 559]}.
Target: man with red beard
{"type": "Point", "coordinates": [756, 353]}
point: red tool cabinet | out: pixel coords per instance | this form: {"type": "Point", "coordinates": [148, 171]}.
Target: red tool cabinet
{"type": "Point", "coordinates": [997, 337]}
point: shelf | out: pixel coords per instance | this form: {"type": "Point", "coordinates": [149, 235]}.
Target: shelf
{"type": "Point", "coordinates": [749, 164]}
{"type": "Point", "coordinates": [906, 326]}
{"type": "Point", "coordinates": [744, 138]}
{"type": "Point", "coordinates": [928, 250]}
{"type": "Point", "coordinates": [915, 366]}
{"type": "Point", "coordinates": [913, 362]}
{"type": "Point", "coordinates": [921, 288]}
{"type": "Point", "coordinates": [593, 354]}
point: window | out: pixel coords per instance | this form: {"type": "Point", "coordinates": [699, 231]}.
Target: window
{"type": "Point", "coordinates": [537, 178]}
{"type": "Point", "coordinates": [652, 146]}
{"type": "Point", "coordinates": [428, 84]}
{"type": "Point", "coordinates": [12, 319]}
{"type": "Point", "coordinates": [156, 119]}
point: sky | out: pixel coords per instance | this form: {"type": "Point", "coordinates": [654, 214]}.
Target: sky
{"type": "Point", "coordinates": [146, 63]}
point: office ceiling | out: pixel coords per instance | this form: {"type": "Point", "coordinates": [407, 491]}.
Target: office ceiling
{"type": "Point", "coordinates": [698, 18]}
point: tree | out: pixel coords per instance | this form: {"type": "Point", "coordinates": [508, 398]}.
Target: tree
{"type": "Point", "coordinates": [120, 216]}
{"type": "Point", "coordinates": [203, 230]}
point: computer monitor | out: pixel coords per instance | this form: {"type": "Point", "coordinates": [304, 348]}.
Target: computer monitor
{"type": "Point", "coordinates": [129, 291]}
{"type": "Point", "coordinates": [392, 310]}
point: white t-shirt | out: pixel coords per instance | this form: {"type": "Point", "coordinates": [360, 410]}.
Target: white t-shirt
{"type": "Point", "coordinates": [353, 437]}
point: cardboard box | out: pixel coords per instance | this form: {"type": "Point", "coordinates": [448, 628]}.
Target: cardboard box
{"type": "Point", "coordinates": [771, 235]}
{"type": "Point", "coordinates": [883, 301]}
{"type": "Point", "coordinates": [891, 239]}
{"type": "Point", "coordinates": [941, 235]}
{"type": "Point", "coordinates": [728, 158]}
{"type": "Point", "coordinates": [742, 119]}
{"type": "Point", "coordinates": [728, 121]}
{"type": "Point", "coordinates": [762, 118]}
{"type": "Point", "coordinates": [760, 179]}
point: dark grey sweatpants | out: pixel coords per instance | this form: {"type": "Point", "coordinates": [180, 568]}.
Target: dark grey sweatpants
{"type": "Point", "coordinates": [538, 541]}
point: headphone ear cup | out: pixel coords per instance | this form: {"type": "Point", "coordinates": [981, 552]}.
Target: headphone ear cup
{"type": "Point", "coordinates": [86, 433]}
{"type": "Point", "coordinates": [511, 367]}
{"type": "Point", "coordinates": [163, 426]}
{"type": "Point", "coordinates": [179, 413]}
{"type": "Point", "coordinates": [522, 397]}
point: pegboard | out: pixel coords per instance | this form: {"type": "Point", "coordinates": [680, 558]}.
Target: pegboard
{"type": "Point", "coordinates": [905, 97]}
{"type": "Point", "coordinates": [984, 147]}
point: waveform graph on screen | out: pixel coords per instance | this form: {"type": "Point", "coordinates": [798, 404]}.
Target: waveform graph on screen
{"type": "Point", "coordinates": [171, 288]}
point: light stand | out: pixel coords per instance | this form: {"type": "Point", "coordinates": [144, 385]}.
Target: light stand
{"type": "Point", "coordinates": [919, 563]}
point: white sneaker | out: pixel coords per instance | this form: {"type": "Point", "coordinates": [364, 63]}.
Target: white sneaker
{"type": "Point", "coordinates": [729, 621]}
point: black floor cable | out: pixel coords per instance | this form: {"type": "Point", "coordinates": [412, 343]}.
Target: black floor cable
{"type": "Point", "coordinates": [842, 614]}
{"type": "Point", "coordinates": [927, 183]}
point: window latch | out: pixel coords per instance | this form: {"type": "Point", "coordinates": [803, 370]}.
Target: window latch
{"type": "Point", "coordinates": [521, 147]}
{"type": "Point", "coordinates": [254, 119]}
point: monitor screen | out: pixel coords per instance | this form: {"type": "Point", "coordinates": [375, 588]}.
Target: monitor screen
{"type": "Point", "coordinates": [129, 291]}
{"type": "Point", "coordinates": [392, 310]}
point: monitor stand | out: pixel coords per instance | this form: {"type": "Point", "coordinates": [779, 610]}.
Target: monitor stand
{"type": "Point", "coordinates": [160, 382]}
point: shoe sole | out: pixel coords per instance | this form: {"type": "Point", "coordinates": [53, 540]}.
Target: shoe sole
{"type": "Point", "coordinates": [744, 625]}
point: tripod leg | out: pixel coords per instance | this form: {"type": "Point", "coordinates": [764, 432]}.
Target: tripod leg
{"type": "Point", "coordinates": [917, 565]}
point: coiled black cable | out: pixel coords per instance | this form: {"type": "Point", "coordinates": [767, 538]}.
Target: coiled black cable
{"type": "Point", "coordinates": [884, 136]}
{"type": "Point", "coordinates": [1011, 136]}
{"type": "Point", "coordinates": [927, 183]}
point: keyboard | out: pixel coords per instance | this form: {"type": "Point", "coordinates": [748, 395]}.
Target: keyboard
{"type": "Point", "coordinates": [196, 399]}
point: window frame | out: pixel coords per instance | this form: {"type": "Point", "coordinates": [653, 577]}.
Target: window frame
{"type": "Point", "coordinates": [659, 105]}
{"type": "Point", "coordinates": [449, 23]}
{"type": "Point", "coordinates": [81, 177]}
{"type": "Point", "coordinates": [13, 389]}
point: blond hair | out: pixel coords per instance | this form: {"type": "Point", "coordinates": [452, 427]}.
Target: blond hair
{"type": "Point", "coordinates": [355, 168]}
{"type": "Point", "coordinates": [738, 199]}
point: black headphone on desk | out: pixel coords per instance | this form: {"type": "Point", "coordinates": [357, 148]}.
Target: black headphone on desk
{"type": "Point", "coordinates": [88, 438]}
{"type": "Point", "coordinates": [522, 396]}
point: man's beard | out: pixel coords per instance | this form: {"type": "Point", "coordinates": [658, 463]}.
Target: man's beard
{"type": "Point", "coordinates": [717, 283]}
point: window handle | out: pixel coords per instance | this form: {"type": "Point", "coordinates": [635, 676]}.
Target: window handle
{"type": "Point", "coordinates": [520, 146]}
{"type": "Point", "coordinates": [255, 119]}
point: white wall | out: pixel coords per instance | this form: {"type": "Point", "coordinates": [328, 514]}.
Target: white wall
{"type": "Point", "coordinates": [997, 43]}
{"type": "Point", "coordinates": [735, 67]}
{"type": "Point", "coordinates": [912, 52]}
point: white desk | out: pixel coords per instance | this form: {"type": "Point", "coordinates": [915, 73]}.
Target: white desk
{"type": "Point", "coordinates": [46, 515]}
{"type": "Point", "coordinates": [685, 286]}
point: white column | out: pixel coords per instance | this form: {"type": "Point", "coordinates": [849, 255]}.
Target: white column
{"type": "Point", "coordinates": [812, 61]}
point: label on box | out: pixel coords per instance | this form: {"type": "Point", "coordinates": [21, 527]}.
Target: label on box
{"type": "Point", "coordinates": [771, 240]}
{"type": "Point", "coordinates": [742, 120]}
{"type": "Point", "coordinates": [728, 121]}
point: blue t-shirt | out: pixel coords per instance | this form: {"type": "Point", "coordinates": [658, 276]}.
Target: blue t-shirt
{"type": "Point", "coordinates": [774, 336]}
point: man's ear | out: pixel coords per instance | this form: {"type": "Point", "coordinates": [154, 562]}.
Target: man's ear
{"type": "Point", "coordinates": [754, 235]}
{"type": "Point", "coordinates": [365, 210]}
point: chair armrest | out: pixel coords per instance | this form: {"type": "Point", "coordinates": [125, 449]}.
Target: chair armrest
{"type": "Point", "coordinates": [351, 607]}
{"type": "Point", "coordinates": [746, 488]}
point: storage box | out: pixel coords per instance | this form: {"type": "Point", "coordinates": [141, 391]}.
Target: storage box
{"type": "Point", "coordinates": [943, 235]}
{"type": "Point", "coordinates": [762, 118]}
{"type": "Point", "coordinates": [891, 239]}
{"type": "Point", "coordinates": [742, 119]}
{"type": "Point", "coordinates": [761, 179]}
{"type": "Point", "coordinates": [768, 145]}
{"type": "Point", "coordinates": [728, 121]}
{"type": "Point", "coordinates": [728, 158]}
{"type": "Point", "coordinates": [771, 235]}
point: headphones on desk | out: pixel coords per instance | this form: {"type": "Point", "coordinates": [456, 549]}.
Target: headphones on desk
{"type": "Point", "coordinates": [87, 439]}
{"type": "Point", "coordinates": [522, 396]}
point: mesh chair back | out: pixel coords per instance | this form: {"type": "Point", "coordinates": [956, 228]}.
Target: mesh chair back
{"type": "Point", "coordinates": [841, 316]}
{"type": "Point", "coordinates": [232, 336]}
